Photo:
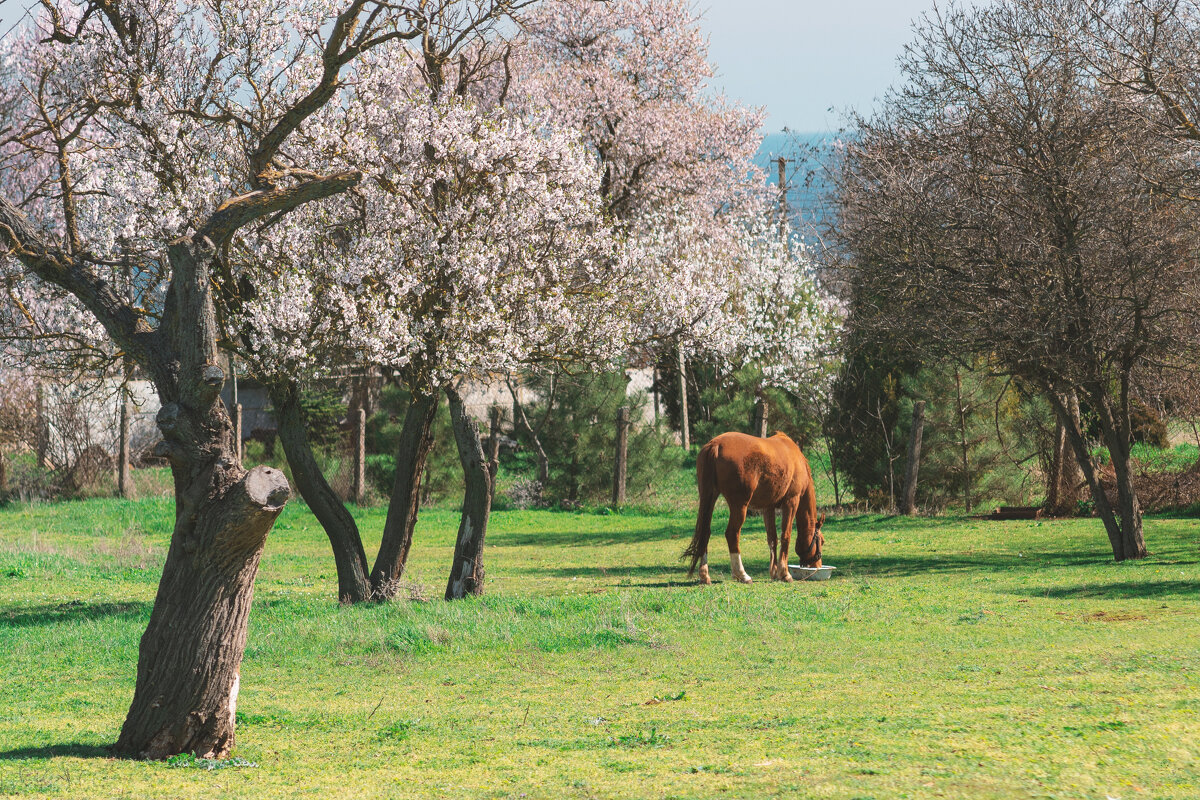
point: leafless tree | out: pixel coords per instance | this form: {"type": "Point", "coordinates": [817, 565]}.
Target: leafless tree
{"type": "Point", "coordinates": [1005, 204]}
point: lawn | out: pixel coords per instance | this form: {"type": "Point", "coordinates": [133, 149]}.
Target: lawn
{"type": "Point", "coordinates": [947, 658]}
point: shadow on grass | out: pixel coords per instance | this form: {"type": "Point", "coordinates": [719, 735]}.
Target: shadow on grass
{"type": "Point", "coordinates": [1126, 590]}
{"type": "Point", "coordinates": [596, 538]}
{"type": "Point", "coordinates": [39, 616]}
{"type": "Point", "coordinates": [72, 749]}
{"type": "Point", "coordinates": [958, 562]}
{"type": "Point", "coordinates": [599, 572]}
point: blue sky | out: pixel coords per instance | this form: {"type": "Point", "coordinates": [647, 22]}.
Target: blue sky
{"type": "Point", "coordinates": [799, 58]}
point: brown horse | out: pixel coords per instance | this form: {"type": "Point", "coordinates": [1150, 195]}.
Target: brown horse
{"type": "Point", "coordinates": [756, 474]}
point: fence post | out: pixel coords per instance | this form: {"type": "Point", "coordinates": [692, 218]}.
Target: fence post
{"type": "Point", "coordinates": [685, 437]}
{"type": "Point", "coordinates": [124, 478]}
{"type": "Point", "coordinates": [908, 505]}
{"type": "Point", "coordinates": [493, 450]}
{"type": "Point", "coordinates": [760, 417]}
{"type": "Point", "coordinates": [237, 430]}
{"type": "Point", "coordinates": [619, 470]}
{"type": "Point", "coordinates": [360, 455]}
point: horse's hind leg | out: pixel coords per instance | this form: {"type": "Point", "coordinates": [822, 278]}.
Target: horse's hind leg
{"type": "Point", "coordinates": [772, 539]}
{"type": "Point", "coordinates": [733, 536]}
{"type": "Point", "coordinates": [789, 515]}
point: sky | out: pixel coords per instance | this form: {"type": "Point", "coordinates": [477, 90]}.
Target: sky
{"type": "Point", "coordinates": [806, 61]}
{"type": "Point", "coordinates": [802, 58]}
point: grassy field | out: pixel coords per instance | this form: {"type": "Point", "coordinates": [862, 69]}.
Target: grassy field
{"type": "Point", "coordinates": [948, 658]}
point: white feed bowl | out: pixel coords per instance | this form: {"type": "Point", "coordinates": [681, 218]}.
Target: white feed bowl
{"type": "Point", "coordinates": [821, 573]}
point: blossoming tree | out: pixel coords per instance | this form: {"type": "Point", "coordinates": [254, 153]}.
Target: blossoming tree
{"type": "Point", "coordinates": [678, 176]}
{"type": "Point", "coordinates": [162, 132]}
{"type": "Point", "coordinates": [475, 244]}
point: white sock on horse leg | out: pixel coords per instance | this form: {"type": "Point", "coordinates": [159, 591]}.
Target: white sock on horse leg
{"type": "Point", "coordinates": [735, 567]}
{"type": "Point", "coordinates": [704, 569]}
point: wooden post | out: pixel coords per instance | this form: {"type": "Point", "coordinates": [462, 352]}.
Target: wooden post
{"type": "Point", "coordinates": [360, 455]}
{"type": "Point", "coordinates": [237, 411]}
{"type": "Point", "coordinates": [908, 505]}
{"type": "Point", "coordinates": [684, 433]}
{"type": "Point", "coordinates": [124, 478]}
{"type": "Point", "coordinates": [760, 417]}
{"type": "Point", "coordinates": [237, 431]}
{"type": "Point", "coordinates": [619, 471]}
{"type": "Point", "coordinates": [494, 445]}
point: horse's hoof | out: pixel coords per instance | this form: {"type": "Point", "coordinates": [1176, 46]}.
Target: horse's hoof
{"type": "Point", "coordinates": [743, 578]}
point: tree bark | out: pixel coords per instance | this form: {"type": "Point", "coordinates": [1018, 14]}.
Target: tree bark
{"type": "Point", "coordinates": [416, 437]}
{"type": "Point", "coordinates": [466, 573]}
{"type": "Point", "coordinates": [493, 450]}
{"type": "Point", "coordinates": [760, 417]}
{"type": "Point", "coordinates": [685, 437]}
{"type": "Point", "coordinates": [908, 503]}
{"type": "Point", "coordinates": [354, 585]}
{"type": "Point", "coordinates": [1065, 479]}
{"type": "Point", "coordinates": [622, 455]}
{"type": "Point", "coordinates": [360, 455]}
{"type": "Point", "coordinates": [962, 430]}
{"type": "Point", "coordinates": [191, 653]}
{"type": "Point", "coordinates": [124, 478]}
{"type": "Point", "coordinates": [1126, 542]}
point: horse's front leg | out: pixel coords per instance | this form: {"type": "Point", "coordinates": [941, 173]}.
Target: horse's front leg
{"type": "Point", "coordinates": [772, 540]}
{"type": "Point", "coordinates": [789, 515]}
{"type": "Point", "coordinates": [733, 537]}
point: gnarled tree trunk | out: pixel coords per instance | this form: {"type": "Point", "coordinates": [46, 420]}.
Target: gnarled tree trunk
{"type": "Point", "coordinates": [354, 585]}
{"type": "Point", "coordinates": [415, 439]}
{"type": "Point", "coordinates": [466, 573]}
{"type": "Point", "coordinates": [191, 652]}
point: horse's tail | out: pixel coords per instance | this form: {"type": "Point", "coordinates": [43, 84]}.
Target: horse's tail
{"type": "Point", "coordinates": [706, 482]}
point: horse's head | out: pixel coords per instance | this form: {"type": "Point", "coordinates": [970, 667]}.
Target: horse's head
{"type": "Point", "coordinates": [813, 557]}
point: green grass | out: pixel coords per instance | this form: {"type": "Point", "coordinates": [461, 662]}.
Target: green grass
{"type": "Point", "coordinates": [948, 658]}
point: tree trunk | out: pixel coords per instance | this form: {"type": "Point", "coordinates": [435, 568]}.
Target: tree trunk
{"type": "Point", "coordinates": [1065, 479]}
{"type": "Point", "coordinates": [416, 437]}
{"type": "Point", "coordinates": [685, 437]}
{"type": "Point", "coordinates": [348, 555]}
{"type": "Point", "coordinates": [3, 477]}
{"type": "Point", "coordinates": [1126, 541]}
{"type": "Point", "coordinates": [124, 478]}
{"type": "Point", "coordinates": [360, 455]}
{"type": "Point", "coordinates": [908, 503]}
{"type": "Point", "coordinates": [466, 573]}
{"type": "Point", "coordinates": [622, 455]}
{"type": "Point", "coordinates": [191, 653]}
{"type": "Point", "coordinates": [493, 451]}
{"type": "Point", "coordinates": [760, 417]}
{"type": "Point", "coordinates": [962, 430]}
